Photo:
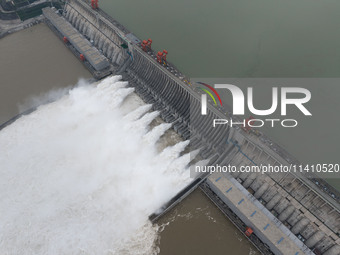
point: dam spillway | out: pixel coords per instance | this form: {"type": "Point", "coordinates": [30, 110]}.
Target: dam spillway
{"type": "Point", "coordinates": [310, 218]}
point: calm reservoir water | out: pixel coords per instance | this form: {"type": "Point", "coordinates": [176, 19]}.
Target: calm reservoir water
{"type": "Point", "coordinates": [212, 40]}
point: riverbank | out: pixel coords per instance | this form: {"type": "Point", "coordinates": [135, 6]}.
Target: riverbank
{"type": "Point", "coordinates": [8, 27]}
{"type": "Point", "coordinates": [34, 66]}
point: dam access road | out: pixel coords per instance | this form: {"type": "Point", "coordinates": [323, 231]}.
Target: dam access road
{"type": "Point", "coordinates": [287, 213]}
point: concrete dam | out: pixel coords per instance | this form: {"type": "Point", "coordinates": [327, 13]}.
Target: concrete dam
{"type": "Point", "coordinates": [288, 212]}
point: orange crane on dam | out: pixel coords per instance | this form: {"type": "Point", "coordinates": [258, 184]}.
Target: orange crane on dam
{"type": "Point", "coordinates": [161, 56]}
{"type": "Point", "coordinates": [94, 4]}
{"type": "Point", "coordinates": [146, 45]}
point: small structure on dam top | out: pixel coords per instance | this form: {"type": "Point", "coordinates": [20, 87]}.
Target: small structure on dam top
{"type": "Point", "coordinates": [97, 62]}
{"type": "Point", "coordinates": [286, 211]}
{"type": "Point", "coordinates": [264, 224]}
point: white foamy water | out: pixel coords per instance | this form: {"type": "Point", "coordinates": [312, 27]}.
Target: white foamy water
{"type": "Point", "coordinates": [82, 175]}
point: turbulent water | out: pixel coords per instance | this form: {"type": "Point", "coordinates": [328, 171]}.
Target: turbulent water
{"type": "Point", "coordinates": [81, 175]}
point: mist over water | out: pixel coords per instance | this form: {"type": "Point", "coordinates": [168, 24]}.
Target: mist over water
{"type": "Point", "coordinates": [81, 175]}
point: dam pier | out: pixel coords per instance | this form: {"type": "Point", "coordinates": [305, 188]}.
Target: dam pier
{"type": "Point", "coordinates": [287, 213]}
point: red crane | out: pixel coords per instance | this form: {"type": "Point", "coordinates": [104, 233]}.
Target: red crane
{"type": "Point", "coordinates": [159, 57]}
{"type": "Point", "coordinates": [94, 4]}
{"type": "Point", "coordinates": [165, 52]}
{"type": "Point", "coordinates": [149, 43]}
{"type": "Point", "coordinates": [144, 45]}
{"type": "Point", "coordinates": [247, 128]}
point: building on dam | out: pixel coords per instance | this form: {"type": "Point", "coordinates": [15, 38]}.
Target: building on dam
{"type": "Point", "coordinates": [287, 212]}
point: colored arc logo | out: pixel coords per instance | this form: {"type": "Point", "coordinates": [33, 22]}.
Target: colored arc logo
{"type": "Point", "coordinates": [209, 93]}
